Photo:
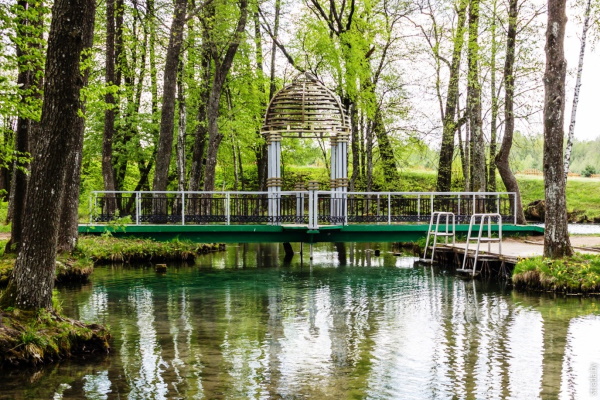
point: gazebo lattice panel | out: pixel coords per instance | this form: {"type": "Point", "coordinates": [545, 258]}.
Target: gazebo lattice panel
{"type": "Point", "coordinates": [305, 108]}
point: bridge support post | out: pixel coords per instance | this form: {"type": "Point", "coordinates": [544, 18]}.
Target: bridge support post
{"type": "Point", "coordinates": [300, 189]}
{"type": "Point", "coordinates": [313, 205]}
{"type": "Point", "coordinates": [333, 206]}
{"type": "Point", "coordinates": [274, 181]}
{"type": "Point", "coordinates": [342, 176]}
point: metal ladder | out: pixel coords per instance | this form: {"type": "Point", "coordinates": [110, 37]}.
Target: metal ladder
{"type": "Point", "coordinates": [483, 218]}
{"type": "Point", "coordinates": [436, 216]}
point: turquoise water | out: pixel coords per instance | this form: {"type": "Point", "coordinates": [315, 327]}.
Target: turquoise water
{"type": "Point", "coordinates": [246, 324]}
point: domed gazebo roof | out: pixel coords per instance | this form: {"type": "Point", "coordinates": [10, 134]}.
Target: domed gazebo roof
{"type": "Point", "coordinates": [305, 108]}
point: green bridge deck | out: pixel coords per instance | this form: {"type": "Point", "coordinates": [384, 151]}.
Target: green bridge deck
{"type": "Point", "coordinates": [286, 233]}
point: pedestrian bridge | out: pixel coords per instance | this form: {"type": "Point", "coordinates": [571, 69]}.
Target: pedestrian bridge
{"type": "Point", "coordinates": [308, 216]}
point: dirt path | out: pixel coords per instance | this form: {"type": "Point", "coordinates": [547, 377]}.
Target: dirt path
{"type": "Point", "coordinates": [576, 240]}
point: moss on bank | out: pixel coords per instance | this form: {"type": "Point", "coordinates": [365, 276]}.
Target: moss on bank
{"type": "Point", "coordinates": [37, 337]}
{"type": "Point", "coordinates": [579, 274]}
{"type": "Point", "coordinates": [91, 250]}
{"type": "Point", "coordinates": [107, 249]}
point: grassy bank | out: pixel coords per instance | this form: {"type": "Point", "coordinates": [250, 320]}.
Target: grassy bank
{"type": "Point", "coordinates": [95, 250]}
{"type": "Point", "coordinates": [37, 337]}
{"type": "Point", "coordinates": [579, 274]}
{"type": "Point", "coordinates": [107, 250]}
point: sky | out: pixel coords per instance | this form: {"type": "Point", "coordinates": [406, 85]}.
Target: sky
{"type": "Point", "coordinates": [587, 125]}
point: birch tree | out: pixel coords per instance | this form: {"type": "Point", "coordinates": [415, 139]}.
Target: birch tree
{"type": "Point", "coordinates": [586, 25]}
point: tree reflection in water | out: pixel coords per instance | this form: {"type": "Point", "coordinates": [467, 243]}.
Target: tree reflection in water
{"type": "Point", "coordinates": [242, 324]}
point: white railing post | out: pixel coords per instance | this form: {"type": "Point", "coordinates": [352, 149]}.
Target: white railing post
{"type": "Point", "coordinates": [431, 205]}
{"type": "Point", "coordinates": [515, 208]}
{"type": "Point", "coordinates": [419, 207]}
{"type": "Point", "coordinates": [228, 208]}
{"type": "Point", "coordinates": [182, 207]}
{"type": "Point", "coordinates": [92, 203]}
{"type": "Point", "coordinates": [138, 207]}
{"type": "Point", "coordinates": [313, 207]}
{"type": "Point", "coordinates": [389, 208]}
{"type": "Point", "coordinates": [498, 203]}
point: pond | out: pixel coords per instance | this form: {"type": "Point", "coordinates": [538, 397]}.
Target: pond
{"type": "Point", "coordinates": [244, 323]}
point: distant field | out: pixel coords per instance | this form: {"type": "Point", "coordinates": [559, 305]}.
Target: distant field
{"type": "Point", "coordinates": [583, 194]}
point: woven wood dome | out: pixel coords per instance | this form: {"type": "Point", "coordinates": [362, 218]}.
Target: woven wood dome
{"type": "Point", "coordinates": [306, 108]}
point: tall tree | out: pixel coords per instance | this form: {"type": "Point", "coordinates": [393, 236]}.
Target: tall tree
{"type": "Point", "coordinates": [494, 99]}
{"type": "Point", "coordinates": [586, 26]}
{"type": "Point", "coordinates": [29, 26]}
{"type": "Point", "coordinates": [478, 167]}
{"type": "Point", "coordinates": [449, 114]}
{"type": "Point", "coordinates": [71, 32]}
{"type": "Point", "coordinates": [502, 158]}
{"type": "Point", "coordinates": [167, 122]}
{"type": "Point", "coordinates": [556, 235]}
{"type": "Point", "coordinates": [109, 115]}
{"type": "Point", "coordinates": [207, 19]}
{"type": "Point", "coordinates": [222, 67]}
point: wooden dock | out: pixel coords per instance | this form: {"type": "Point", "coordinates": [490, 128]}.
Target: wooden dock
{"type": "Point", "coordinates": [513, 250]}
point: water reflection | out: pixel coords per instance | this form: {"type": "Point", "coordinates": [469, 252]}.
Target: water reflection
{"type": "Point", "coordinates": [354, 325]}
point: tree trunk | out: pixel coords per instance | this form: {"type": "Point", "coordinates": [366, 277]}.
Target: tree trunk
{"type": "Point", "coordinates": [108, 172]}
{"type": "Point", "coordinates": [444, 178]}
{"type": "Point", "coordinates": [494, 97]}
{"type": "Point", "coordinates": [181, 131]}
{"type": "Point", "coordinates": [478, 175]}
{"type": "Point", "coordinates": [586, 25]}
{"type": "Point", "coordinates": [556, 235]}
{"type": "Point", "coordinates": [167, 122]}
{"type": "Point", "coordinates": [201, 133]}
{"type": "Point", "coordinates": [386, 151]}
{"type": "Point", "coordinates": [354, 144]}
{"type": "Point", "coordinates": [260, 150]}
{"type": "Point", "coordinates": [502, 163]}
{"type": "Point", "coordinates": [69, 217]}
{"type": "Point", "coordinates": [26, 79]}
{"type": "Point", "coordinates": [212, 108]}
{"type": "Point", "coordinates": [71, 32]}
{"type": "Point", "coordinates": [369, 156]}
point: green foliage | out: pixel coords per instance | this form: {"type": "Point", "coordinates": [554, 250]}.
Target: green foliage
{"type": "Point", "coordinates": [106, 250]}
{"type": "Point", "coordinates": [588, 171]}
{"type": "Point", "coordinates": [35, 337]}
{"type": "Point", "coordinates": [577, 274]}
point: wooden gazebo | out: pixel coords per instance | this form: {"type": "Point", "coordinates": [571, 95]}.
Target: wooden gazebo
{"type": "Point", "coordinates": [307, 109]}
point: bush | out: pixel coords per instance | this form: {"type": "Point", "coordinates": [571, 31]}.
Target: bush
{"type": "Point", "coordinates": [588, 171]}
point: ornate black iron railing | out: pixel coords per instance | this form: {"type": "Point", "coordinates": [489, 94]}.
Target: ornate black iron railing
{"type": "Point", "coordinates": [311, 208]}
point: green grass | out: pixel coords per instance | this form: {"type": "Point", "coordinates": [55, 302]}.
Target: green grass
{"type": "Point", "coordinates": [107, 249]}
{"type": "Point", "coordinates": [35, 337]}
{"type": "Point", "coordinates": [582, 193]}
{"type": "Point", "coordinates": [577, 274]}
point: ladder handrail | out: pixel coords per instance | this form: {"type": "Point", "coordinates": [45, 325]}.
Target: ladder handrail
{"type": "Point", "coordinates": [484, 217]}
{"type": "Point", "coordinates": [437, 215]}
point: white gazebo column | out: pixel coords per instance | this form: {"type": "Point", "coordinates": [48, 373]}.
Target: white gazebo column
{"type": "Point", "coordinates": [334, 183]}
{"type": "Point", "coordinates": [274, 182]}
{"type": "Point", "coordinates": [342, 174]}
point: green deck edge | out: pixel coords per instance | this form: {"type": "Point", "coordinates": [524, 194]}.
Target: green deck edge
{"type": "Point", "coordinates": [293, 234]}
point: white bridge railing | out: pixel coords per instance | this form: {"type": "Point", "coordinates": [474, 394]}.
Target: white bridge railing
{"type": "Point", "coordinates": [309, 207]}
